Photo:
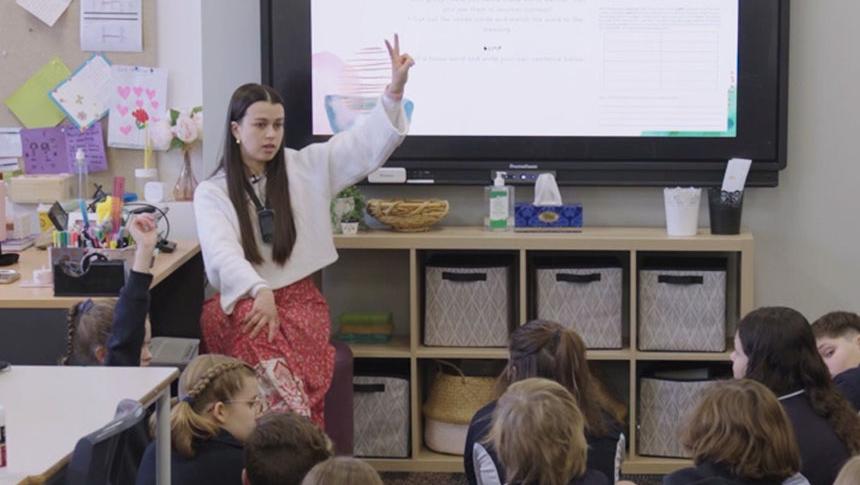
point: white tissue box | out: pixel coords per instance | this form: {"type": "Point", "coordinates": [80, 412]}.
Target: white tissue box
{"type": "Point", "coordinates": [536, 218]}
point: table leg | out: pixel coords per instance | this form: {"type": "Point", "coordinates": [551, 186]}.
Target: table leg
{"type": "Point", "coordinates": [162, 438]}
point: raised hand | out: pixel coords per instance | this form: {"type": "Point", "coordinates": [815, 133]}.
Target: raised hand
{"type": "Point", "coordinates": [400, 64]}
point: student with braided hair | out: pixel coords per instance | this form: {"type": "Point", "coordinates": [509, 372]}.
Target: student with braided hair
{"type": "Point", "coordinates": [217, 411]}
{"type": "Point", "coordinates": [117, 334]}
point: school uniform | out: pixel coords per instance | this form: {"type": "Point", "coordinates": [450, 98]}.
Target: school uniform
{"type": "Point", "coordinates": [822, 453]}
{"type": "Point", "coordinates": [848, 383]}
{"type": "Point", "coordinates": [128, 330]}
{"type": "Point", "coordinates": [216, 461]}
{"type": "Point", "coordinates": [590, 477]}
{"type": "Point", "coordinates": [482, 465]}
{"type": "Point", "coordinates": [708, 473]}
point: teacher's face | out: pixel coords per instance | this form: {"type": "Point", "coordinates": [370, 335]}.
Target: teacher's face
{"type": "Point", "coordinates": [260, 132]}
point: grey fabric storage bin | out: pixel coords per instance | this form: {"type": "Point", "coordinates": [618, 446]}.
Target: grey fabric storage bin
{"type": "Point", "coordinates": [467, 306]}
{"type": "Point", "coordinates": [381, 416]}
{"type": "Point", "coordinates": [588, 300]}
{"type": "Point", "coordinates": [663, 409]}
{"type": "Point", "coordinates": [682, 310]}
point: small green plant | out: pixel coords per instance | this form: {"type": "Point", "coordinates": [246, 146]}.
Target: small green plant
{"type": "Point", "coordinates": [348, 206]}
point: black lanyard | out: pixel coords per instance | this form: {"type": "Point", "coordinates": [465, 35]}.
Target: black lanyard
{"type": "Point", "coordinates": [265, 215]}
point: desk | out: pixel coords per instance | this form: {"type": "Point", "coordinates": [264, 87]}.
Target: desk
{"type": "Point", "coordinates": [48, 409]}
{"type": "Point", "coordinates": [33, 322]}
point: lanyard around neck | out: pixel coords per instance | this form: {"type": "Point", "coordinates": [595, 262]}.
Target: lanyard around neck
{"type": "Point", "coordinates": [253, 195]}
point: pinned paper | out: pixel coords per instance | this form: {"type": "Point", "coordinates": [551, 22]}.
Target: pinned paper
{"type": "Point", "coordinates": [52, 150]}
{"type": "Point", "coordinates": [48, 11]}
{"type": "Point", "coordinates": [10, 142]}
{"type": "Point", "coordinates": [91, 141]}
{"type": "Point", "coordinates": [45, 151]}
{"type": "Point", "coordinates": [31, 103]}
{"type": "Point", "coordinates": [736, 174]}
{"type": "Point", "coordinates": [84, 97]}
{"type": "Point", "coordinates": [138, 97]}
{"type": "Point", "coordinates": [8, 164]}
{"type": "Point", "coordinates": [112, 26]}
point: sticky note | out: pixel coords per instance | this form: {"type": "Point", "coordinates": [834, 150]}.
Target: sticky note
{"type": "Point", "coordinates": [31, 103]}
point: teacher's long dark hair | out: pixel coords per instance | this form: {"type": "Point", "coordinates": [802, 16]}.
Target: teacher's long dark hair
{"type": "Point", "coordinates": [277, 185]}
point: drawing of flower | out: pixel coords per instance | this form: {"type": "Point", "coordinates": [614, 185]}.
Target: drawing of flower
{"type": "Point", "coordinates": [140, 118]}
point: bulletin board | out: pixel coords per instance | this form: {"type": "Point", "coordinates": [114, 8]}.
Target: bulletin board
{"type": "Point", "coordinates": [26, 44]}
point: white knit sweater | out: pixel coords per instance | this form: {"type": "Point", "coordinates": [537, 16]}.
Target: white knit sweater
{"type": "Point", "coordinates": [316, 173]}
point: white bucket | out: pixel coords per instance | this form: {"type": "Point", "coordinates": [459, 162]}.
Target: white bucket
{"type": "Point", "coordinates": [682, 210]}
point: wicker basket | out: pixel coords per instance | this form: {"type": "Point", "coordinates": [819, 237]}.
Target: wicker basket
{"type": "Point", "coordinates": [408, 215]}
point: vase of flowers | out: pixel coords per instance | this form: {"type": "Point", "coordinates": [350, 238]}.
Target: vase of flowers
{"type": "Point", "coordinates": [181, 130]}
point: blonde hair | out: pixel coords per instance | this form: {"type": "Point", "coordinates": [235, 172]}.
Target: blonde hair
{"type": "Point", "coordinates": [342, 470]}
{"type": "Point", "coordinates": [850, 473]}
{"type": "Point", "coordinates": [538, 432]}
{"type": "Point", "coordinates": [208, 379]}
{"type": "Point", "coordinates": [741, 425]}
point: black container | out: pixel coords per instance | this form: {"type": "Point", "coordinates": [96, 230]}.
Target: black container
{"type": "Point", "coordinates": [725, 209]}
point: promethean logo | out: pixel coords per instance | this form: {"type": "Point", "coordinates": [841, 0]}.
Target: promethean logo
{"type": "Point", "coordinates": [523, 166]}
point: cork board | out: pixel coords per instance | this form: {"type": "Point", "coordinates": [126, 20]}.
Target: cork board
{"type": "Point", "coordinates": [26, 44]}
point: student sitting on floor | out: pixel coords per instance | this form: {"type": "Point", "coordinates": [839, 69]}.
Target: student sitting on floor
{"type": "Point", "coordinates": [739, 434]}
{"type": "Point", "coordinates": [117, 334]}
{"type": "Point", "coordinates": [539, 434]}
{"type": "Point", "coordinates": [837, 335]}
{"type": "Point", "coordinates": [342, 470]}
{"type": "Point", "coordinates": [282, 449]}
{"type": "Point", "coordinates": [215, 415]}
{"type": "Point", "coordinates": [546, 349]}
{"type": "Point", "coordinates": [775, 346]}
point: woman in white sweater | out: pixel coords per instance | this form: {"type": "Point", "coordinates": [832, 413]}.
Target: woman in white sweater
{"type": "Point", "coordinates": [263, 224]}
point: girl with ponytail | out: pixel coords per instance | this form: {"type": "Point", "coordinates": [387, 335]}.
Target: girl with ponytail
{"type": "Point", "coordinates": [546, 349]}
{"type": "Point", "coordinates": [216, 412]}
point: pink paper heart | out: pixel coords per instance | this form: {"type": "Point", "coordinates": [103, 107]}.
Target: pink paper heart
{"type": "Point", "coordinates": [122, 109]}
{"type": "Point", "coordinates": [156, 119]}
{"type": "Point", "coordinates": [123, 91]}
{"type": "Point", "coordinates": [154, 104]}
{"type": "Point", "coordinates": [125, 129]}
{"type": "Point", "coordinates": [139, 103]}
{"type": "Point", "coordinates": [150, 93]}
{"type": "Point", "coordinates": [137, 91]}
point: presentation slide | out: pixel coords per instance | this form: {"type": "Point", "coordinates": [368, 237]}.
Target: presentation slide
{"type": "Point", "coordinates": [533, 67]}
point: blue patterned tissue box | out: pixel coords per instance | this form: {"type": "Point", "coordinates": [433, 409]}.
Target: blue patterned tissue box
{"type": "Point", "coordinates": [530, 217]}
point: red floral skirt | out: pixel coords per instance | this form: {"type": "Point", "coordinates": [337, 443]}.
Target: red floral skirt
{"type": "Point", "coordinates": [295, 369]}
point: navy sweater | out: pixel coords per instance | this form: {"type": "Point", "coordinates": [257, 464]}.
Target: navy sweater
{"type": "Point", "coordinates": [711, 473]}
{"type": "Point", "coordinates": [822, 453]}
{"type": "Point", "coordinates": [128, 330]}
{"type": "Point", "coordinates": [601, 450]}
{"type": "Point", "coordinates": [216, 461]}
{"type": "Point", "coordinates": [848, 383]}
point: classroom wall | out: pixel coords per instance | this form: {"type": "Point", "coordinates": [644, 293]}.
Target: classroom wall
{"type": "Point", "coordinates": [806, 229]}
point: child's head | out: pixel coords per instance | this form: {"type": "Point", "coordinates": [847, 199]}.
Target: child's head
{"type": "Point", "coordinates": [838, 337]}
{"type": "Point", "coordinates": [542, 348]}
{"type": "Point", "coordinates": [217, 392]}
{"type": "Point", "coordinates": [538, 432]}
{"type": "Point", "coordinates": [342, 470]}
{"type": "Point", "coordinates": [282, 449]}
{"type": "Point", "coordinates": [741, 425]}
{"type": "Point", "coordinates": [89, 327]}
{"type": "Point", "coordinates": [850, 473]}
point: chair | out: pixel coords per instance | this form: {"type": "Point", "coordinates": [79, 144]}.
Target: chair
{"type": "Point", "coordinates": [111, 455]}
{"type": "Point", "coordinates": [338, 401]}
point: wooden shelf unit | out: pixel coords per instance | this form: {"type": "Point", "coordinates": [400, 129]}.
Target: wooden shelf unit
{"type": "Point", "coordinates": [738, 249]}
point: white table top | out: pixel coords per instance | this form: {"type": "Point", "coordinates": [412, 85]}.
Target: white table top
{"type": "Point", "coordinates": [49, 408]}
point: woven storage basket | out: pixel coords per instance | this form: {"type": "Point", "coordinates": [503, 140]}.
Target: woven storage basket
{"type": "Point", "coordinates": [452, 402]}
{"type": "Point", "coordinates": [664, 406]}
{"type": "Point", "coordinates": [588, 300]}
{"type": "Point", "coordinates": [408, 215]}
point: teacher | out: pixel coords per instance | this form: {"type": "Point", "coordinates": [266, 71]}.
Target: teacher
{"type": "Point", "coordinates": [264, 228]}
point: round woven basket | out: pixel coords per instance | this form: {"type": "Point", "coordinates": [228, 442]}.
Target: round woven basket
{"type": "Point", "coordinates": [408, 215]}
{"type": "Point", "coordinates": [455, 399]}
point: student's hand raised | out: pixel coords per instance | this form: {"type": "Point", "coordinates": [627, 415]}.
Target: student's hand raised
{"type": "Point", "coordinates": [144, 230]}
{"type": "Point", "coordinates": [263, 315]}
{"type": "Point", "coordinates": [400, 64]}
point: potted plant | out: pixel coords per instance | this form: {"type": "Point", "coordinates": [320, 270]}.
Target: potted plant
{"type": "Point", "coordinates": [347, 211]}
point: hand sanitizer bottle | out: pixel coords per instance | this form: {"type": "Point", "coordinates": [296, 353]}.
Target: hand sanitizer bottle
{"type": "Point", "coordinates": [500, 201]}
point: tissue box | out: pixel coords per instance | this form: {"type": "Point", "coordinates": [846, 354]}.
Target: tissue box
{"type": "Point", "coordinates": [32, 189]}
{"type": "Point", "coordinates": [530, 217]}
